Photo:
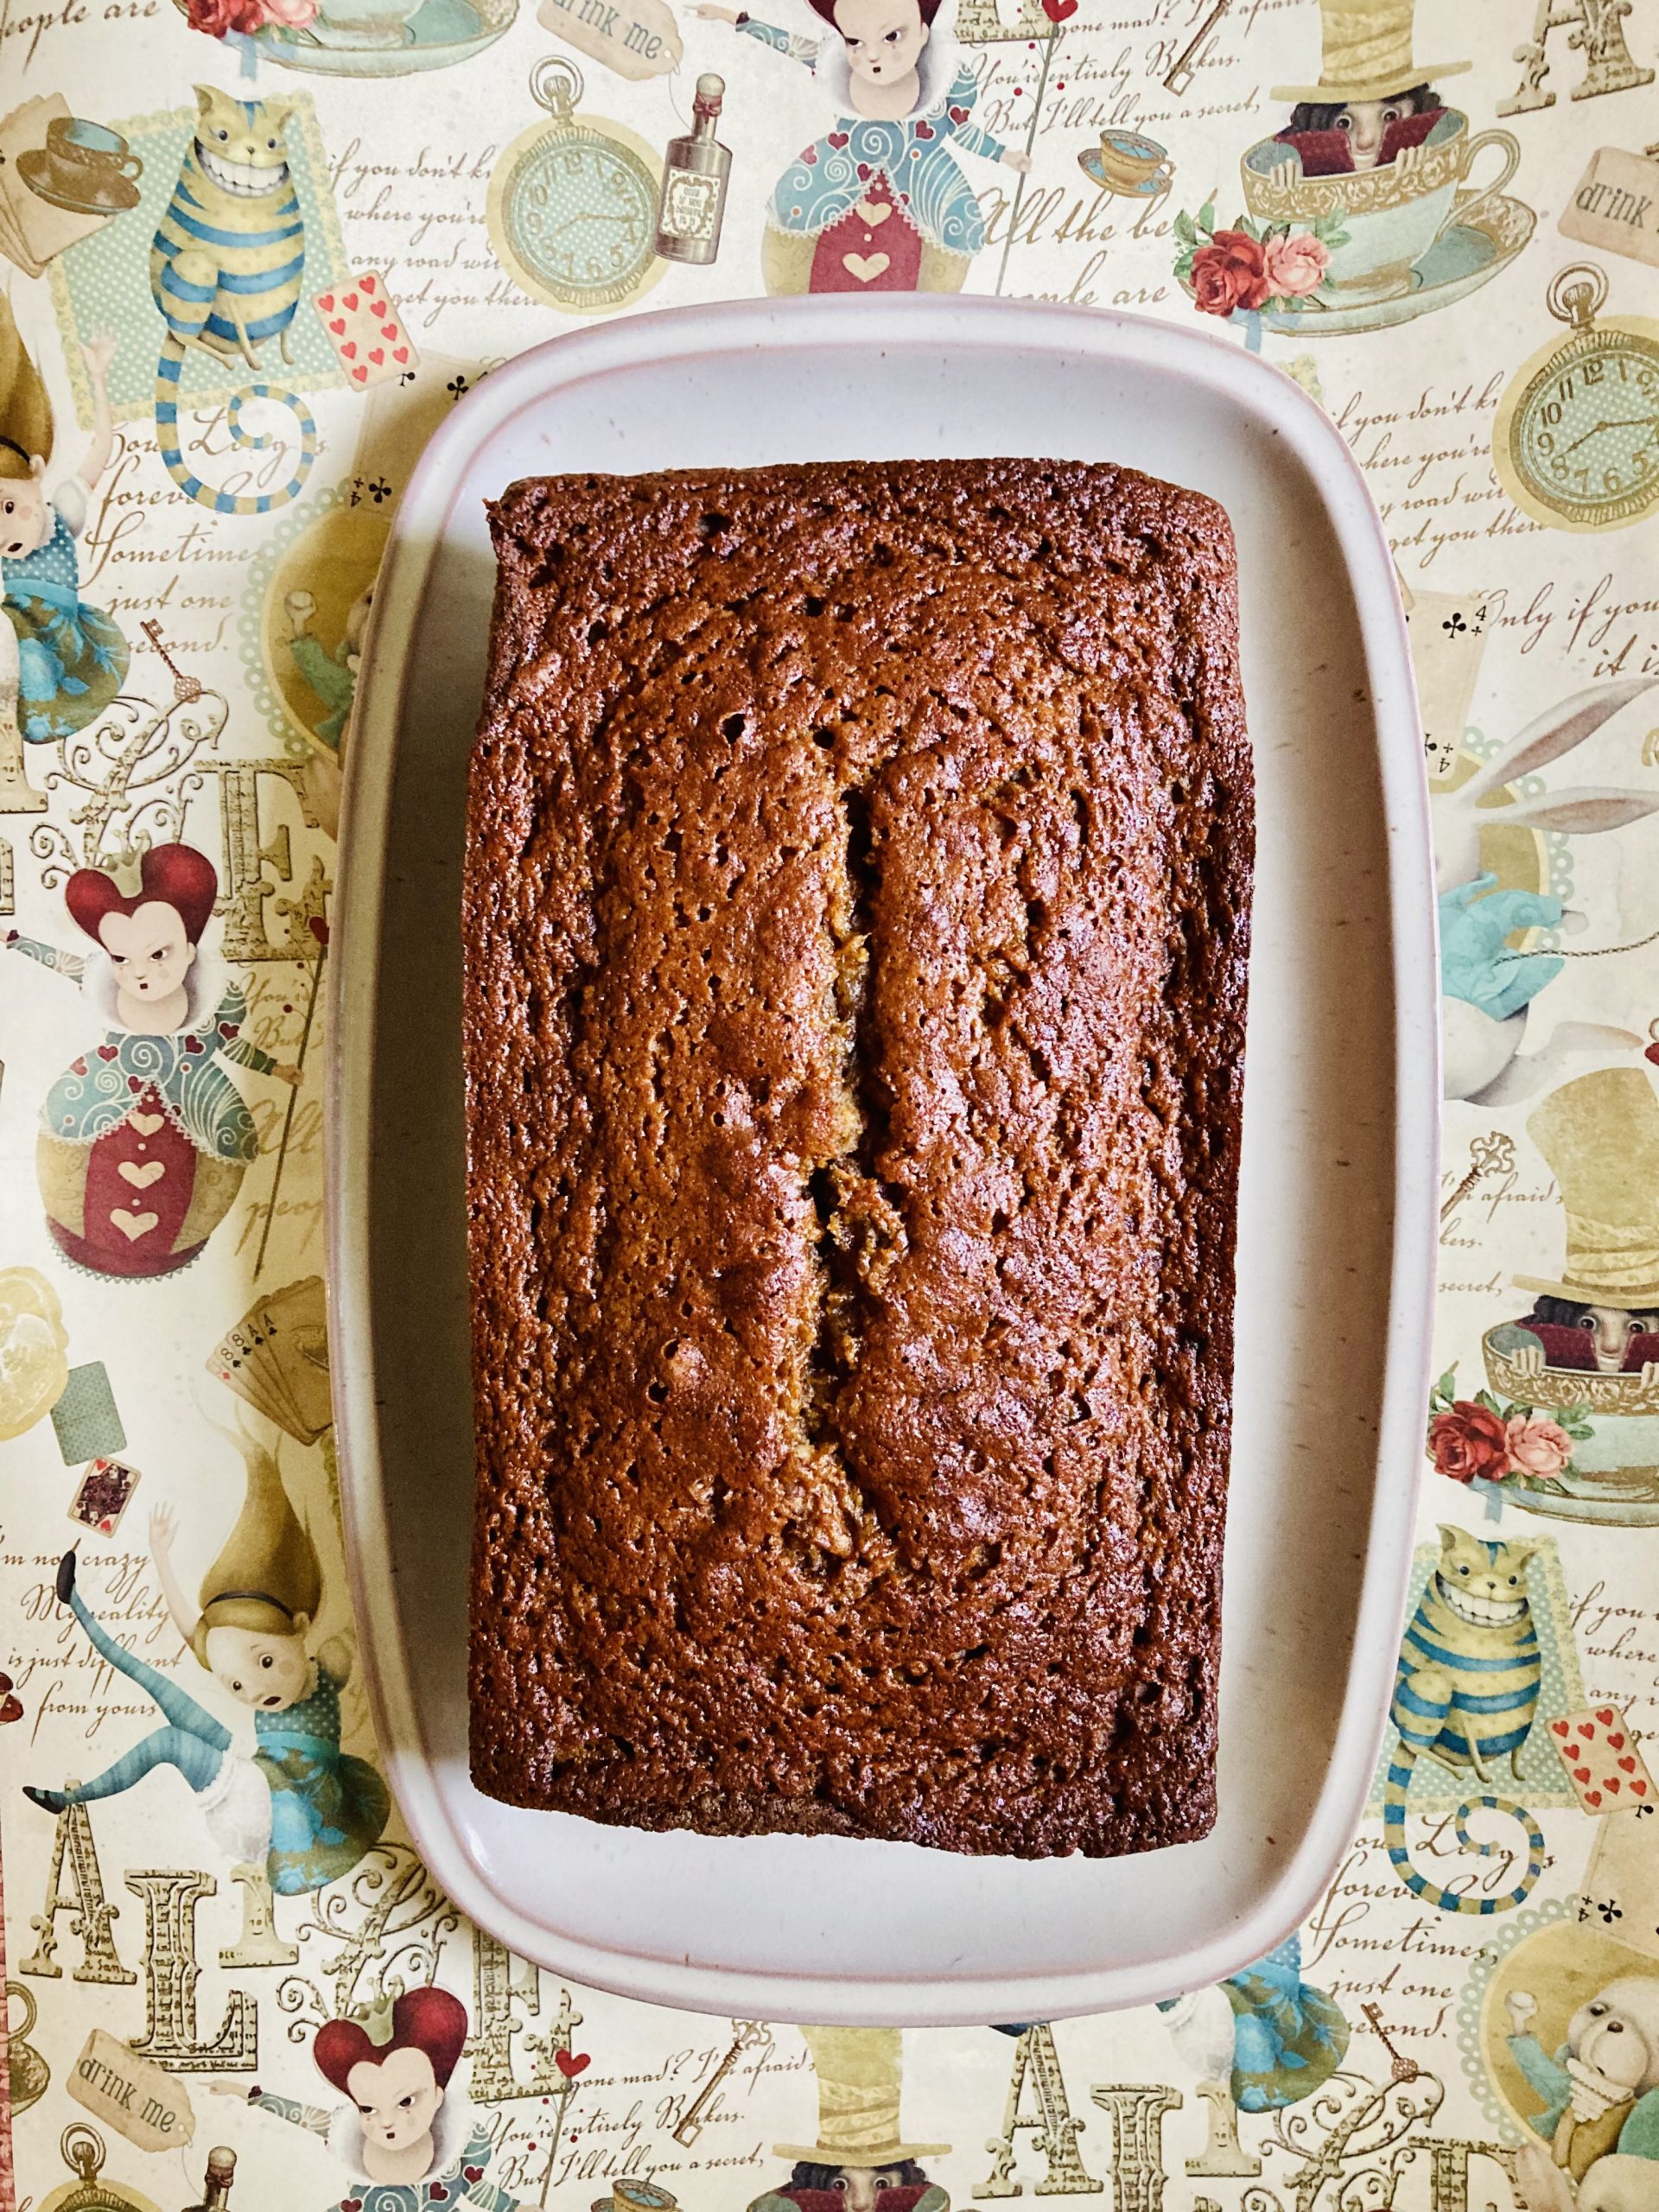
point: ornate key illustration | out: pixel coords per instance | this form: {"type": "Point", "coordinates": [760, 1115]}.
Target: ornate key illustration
{"type": "Point", "coordinates": [1403, 2069]}
{"type": "Point", "coordinates": [749, 2034]}
{"type": "Point", "coordinates": [1488, 1155]}
{"type": "Point", "coordinates": [1185, 66]}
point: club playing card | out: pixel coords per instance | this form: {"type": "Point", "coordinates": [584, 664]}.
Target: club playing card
{"type": "Point", "coordinates": [105, 1491]}
{"type": "Point", "coordinates": [366, 331]}
{"type": "Point", "coordinates": [1601, 1758]}
{"type": "Point", "coordinates": [85, 1417]}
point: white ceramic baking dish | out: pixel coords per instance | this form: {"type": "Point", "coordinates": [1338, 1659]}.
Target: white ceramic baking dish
{"type": "Point", "coordinates": [1336, 1224]}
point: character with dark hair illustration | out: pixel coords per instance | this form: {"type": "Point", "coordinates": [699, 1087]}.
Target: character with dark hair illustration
{"type": "Point", "coordinates": [879, 203]}
{"type": "Point", "coordinates": [412, 2140]}
{"type": "Point", "coordinates": [1374, 101]}
{"type": "Point", "coordinates": [859, 2161]}
{"type": "Point", "coordinates": [144, 1139]}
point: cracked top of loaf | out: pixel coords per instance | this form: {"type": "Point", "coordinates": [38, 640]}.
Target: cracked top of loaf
{"type": "Point", "coordinates": [857, 909]}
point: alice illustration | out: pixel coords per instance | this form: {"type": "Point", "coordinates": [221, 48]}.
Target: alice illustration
{"type": "Point", "coordinates": [408, 2138]}
{"type": "Point", "coordinates": [301, 1811]}
{"type": "Point", "coordinates": [144, 1140]}
{"type": "Point", "coordinates": [62, 662]}
{"type": "Point", "coordinates": [879, 203]}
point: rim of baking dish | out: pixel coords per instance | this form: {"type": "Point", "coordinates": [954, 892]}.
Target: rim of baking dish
{"type": "Point", "coordinates": [424, 512]}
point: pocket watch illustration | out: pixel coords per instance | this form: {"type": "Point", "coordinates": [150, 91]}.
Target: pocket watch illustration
{"type": "Point", "coordinates": [1576, 442]}
{"type": "Point", "coordinates": [573, 203]}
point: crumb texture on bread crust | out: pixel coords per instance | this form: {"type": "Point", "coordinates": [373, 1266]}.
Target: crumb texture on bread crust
{"type": "Point", "coordinates": [857, 909]}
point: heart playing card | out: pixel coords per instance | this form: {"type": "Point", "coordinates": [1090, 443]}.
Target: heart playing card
{"type": "Point", "coordinates": [1602, 1761]}
{"type": "Point", "coordinates": [365, 328]}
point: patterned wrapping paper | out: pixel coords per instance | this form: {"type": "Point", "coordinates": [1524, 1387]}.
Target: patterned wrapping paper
{"type": "Point", "coordinates": [1446, 229]}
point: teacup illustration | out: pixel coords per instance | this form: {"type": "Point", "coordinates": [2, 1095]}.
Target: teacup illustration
{"type": "Point", "coordinates": [1126, 162]}
{"type": "Point", "coordinates": [83, 166]}
{"type": "Point", "coordinates": [1392, 214]}
{"type": "Point", "coordinates": [365, 22]}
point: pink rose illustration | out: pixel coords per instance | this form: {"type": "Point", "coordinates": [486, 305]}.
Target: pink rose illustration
{"type": "Point", "coordinates": [1295, 264]}
{"type": "Point", "coordinates": [1537, 1446]}
{"type": "Point", "coordinates": [295, 14]}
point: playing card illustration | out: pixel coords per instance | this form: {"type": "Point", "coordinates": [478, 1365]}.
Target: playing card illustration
{"type": "Point", "coordinates": [105, 1491]}
{"type": "Point", "coordinates": [1601, 1758]}
{"type": "Point", "coordinates": [365, 329]}
{"type": "Point", "coordinates": [85, 1417]}
{"type": "Point", "coordinates": [277, 1358]}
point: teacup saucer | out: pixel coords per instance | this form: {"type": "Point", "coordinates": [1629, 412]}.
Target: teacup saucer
{"type": "Point", "coordinates": [441, 32]}
{"type": "Point", "coordinates": [108, 195]}
{"type": "Point", "coordinates": [1465, 256]}
{"type": "Point", "coordinates": [1148, 188]}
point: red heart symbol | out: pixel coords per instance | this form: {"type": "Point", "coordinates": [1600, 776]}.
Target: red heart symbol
{"type": "Point", "coordinates": [10, 1711]}
{"type": "Point", "coordinates": [1639, 1789]}
{"type": "Point", "coordinates": [228, 1029]}
{"type": "Point", "coordinates": [570, 2066]}
{"type": "Point", "coordinates": [351, 2204]}
{"type": "Point", "coordinates": [359, 374]}
{"type": "Point", "coordinates": [106, 1527]}
{"type": "Point", "coordinates": [376, 357]}
{"type": "Point", "coordinates": [1605, 1716]}
{"type": "Point", "coordinates": [350, 303]}
{"type": "Point", "coordinates": [388, 331]}
{"type": "Point", "coordinates": [473, 2173]}
{"type": "Point", "coordinates": [1058, 11]}
{"type": "Point", "coordinates": [194, 1044]}
{"type": "Point", "coordinates": [925, 130]}
{"type": "Point", "coordinates": [1559, 1727]}
{"type": "Point", "coordinates": [326, 302]}
{"type": "Point", "coordinates": [1580, 1774]}
{"type": "Point", "coordinates": [809, 155]}
{"type": "Point", "coordinates": [1628, 1765]}
{"type": "Point", "coordinates": [1613, 1781]}
{"type": "Point", "coordinates": [133, 1083]}
{"type": "Point", "coordinates": [1593, 1796]}
{"type": "Point", "coordinates": [838, 139]}
{"type": "Point", "coordinates": [338, 326]}
{"type": "Point", "coordinates": [108, 1052]}
{"type": "Point", "coordinates": [1586, 1728]}
{"type": "Point", "coordinates": [438, 2193]}
{"type": "Point", "coordinates": [77, 1067]}
{"type": "Point", "coordinates": [958, 115]}
{"type": "Point", "coordinates": [863, 172]}
{"type": "Point", "coordinates": [401, 355]}
{"type": "Point", "coordinates": [365, 284]}
{"type": "Point", "coordinates": [1617, 1742]}
{"type": "Point", "coordinates": [349, 349]}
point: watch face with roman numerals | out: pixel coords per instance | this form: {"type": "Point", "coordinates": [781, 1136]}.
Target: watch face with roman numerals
{"type": "Point", "coordinates": [573, 215]}
{"type": "Point", "coordinates": [1583, 431]}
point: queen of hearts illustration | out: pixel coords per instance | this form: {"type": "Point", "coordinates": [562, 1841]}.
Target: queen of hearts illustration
{"type": "Point", "coordinates": [412, 2141]}
{"type": "Point", "coordinates": [144, 1139]}
{"type": "Point", "coordinates": [880, 202]}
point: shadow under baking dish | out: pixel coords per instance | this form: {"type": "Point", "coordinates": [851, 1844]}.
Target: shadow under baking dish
{"type": "Point", "coordinates": [1336, 1214]}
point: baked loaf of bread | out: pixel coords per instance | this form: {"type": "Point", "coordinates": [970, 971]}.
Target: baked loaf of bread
{"type": "Point", "coordinates": [856, 917]}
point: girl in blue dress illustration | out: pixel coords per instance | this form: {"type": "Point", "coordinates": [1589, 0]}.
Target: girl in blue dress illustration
{"type": "Point", "coordinates": [880, 202]}
{"type": "Point", "coordinates": [62, 661]}
{"type": "Point", "coordinates": [301, 1811]}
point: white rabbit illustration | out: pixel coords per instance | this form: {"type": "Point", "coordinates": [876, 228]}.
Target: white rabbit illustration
{"type": "Point", "coordinates": [1487, 989]}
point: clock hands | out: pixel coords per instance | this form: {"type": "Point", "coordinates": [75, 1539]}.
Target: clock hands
{"type": "Point", "coordinates": [1616, 423]}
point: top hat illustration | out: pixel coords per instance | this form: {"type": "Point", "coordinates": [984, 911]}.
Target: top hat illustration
{"type": "Point", "coordinates": [1600, 1135]}
{"type": "Point", "coordinates": [1366, 54]}
{"type": "Point", "coordinates": [858, 2071]}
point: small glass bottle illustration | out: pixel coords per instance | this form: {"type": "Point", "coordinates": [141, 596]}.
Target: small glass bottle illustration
{"type": "Point", "coordinates": [695, 173]}
{"type": "Point", "coordinates": [221, 2172]}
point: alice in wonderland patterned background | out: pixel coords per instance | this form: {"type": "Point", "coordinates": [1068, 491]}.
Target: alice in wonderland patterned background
{"type": "Point", "coordinates": [253, 251]}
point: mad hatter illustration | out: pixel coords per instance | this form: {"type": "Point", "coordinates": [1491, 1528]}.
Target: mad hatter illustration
{"type": "Point", "coordinates": [1569, 2036]}
{"type": "Point", "coordinates": [1356, 217]}
{"type": "Point", "coordinates": [861, 2161]}
{"type": "Point", "coordinates": [1590, 1343]}
{"type": "Point", "coordinates": [144, 1138]}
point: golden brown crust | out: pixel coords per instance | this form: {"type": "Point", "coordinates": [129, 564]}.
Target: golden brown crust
{"type": "Point", "coordinates": [857, 912]}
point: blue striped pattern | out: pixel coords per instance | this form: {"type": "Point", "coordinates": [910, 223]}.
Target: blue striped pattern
{"type": "Point", "coordinates": [228, 269]}
{"type": "Point", "coordinates": [1467, 1692]}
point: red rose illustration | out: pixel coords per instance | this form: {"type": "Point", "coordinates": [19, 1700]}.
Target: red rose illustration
{"type": "Point", "coordinates": [216, 17]}
{"type": "Point", "coordinates": [1469, 1443]}
{"type": "Point", "coordinates": [1229, 273]}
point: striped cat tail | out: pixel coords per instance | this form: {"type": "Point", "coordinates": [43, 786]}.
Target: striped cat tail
{"type": "Point", "coordinates": [166, 438]}
{"type": "Point", "coordinates": [1394, 1835]}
